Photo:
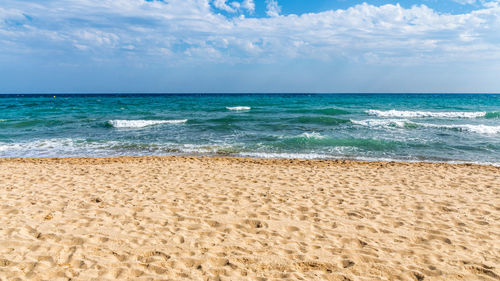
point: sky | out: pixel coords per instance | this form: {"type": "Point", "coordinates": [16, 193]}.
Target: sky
{"type": "Point", "coordinates": [249, 46]}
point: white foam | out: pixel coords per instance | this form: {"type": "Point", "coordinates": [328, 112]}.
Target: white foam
{"type": "Point", "coordinates": [285, 155]}
{"type": "Point", "coordinates": [55, 147]}
{"type": "Point", "coordinates": [312, 135]}
{"type": "Point", "coordinates": [65, 147]}
{"type": "Point", "coordinates": [425, 114]}
{"type": "Point", "coordinates": [37, 144]}
{"type": "Point", "coordinates": [238, 108]}
{"type": "Point", "coordinates": [202, 148]}
{"type": "Point", "coordinates": [142, 123]}
{"type": "Point", "coordinates": [383, 122]}
{"type": "Point", "coordinates": [482, 129]}
{"type": "Point", "coordinates": [314, 156]}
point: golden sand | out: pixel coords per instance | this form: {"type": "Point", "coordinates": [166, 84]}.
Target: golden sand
{"type": "Point", "coordinates": [175, 218]}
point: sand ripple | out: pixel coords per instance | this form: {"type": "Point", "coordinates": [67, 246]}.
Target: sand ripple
{"type": "Point", "coordinates": [245, 219]}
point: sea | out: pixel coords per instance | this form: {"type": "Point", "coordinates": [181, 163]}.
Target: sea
{"type": "Point", "coordinates": [457, 128]}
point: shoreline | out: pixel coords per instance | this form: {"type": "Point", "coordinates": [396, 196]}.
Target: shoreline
{"type": "Point", "coordinates": [108, 159]}
{"type": "Point", "coordinates": [222, 218]}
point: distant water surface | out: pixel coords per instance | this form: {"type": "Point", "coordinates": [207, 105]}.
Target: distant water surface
{"type": "Point", "coordinates": [416, 127]}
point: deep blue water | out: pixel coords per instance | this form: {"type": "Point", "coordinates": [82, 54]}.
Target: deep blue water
{"type": "Point", "coordinates": [404, 127]}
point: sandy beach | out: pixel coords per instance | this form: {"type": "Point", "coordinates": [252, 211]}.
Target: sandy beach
{"type": "Point", "coordinates": [188, 218]}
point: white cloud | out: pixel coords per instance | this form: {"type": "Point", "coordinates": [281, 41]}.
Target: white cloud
{"type": "Point", "coordinates": [273, 9]}
{"type": "Point", "coordinates": [192, 29]}
{"type": "Point", "coordinates": [221, 4]}
{"type": "Point", "coordinates": [97, 37]}
{"type": "Point", "coordinates": [249, 5]}
{"type": "Point", "coordinates": [235, 6]}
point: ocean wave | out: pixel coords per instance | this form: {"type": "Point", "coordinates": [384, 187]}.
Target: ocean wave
{"type": "Point", "coordinates": [142, 123]}
{"type": "Point", "coordinates": [229, 119]}
{"type": "Point", "coordinates": [312, 135]}
{"type": "Point", "coordinates": [425, 114]}
{"type": "Point", "coordinates": [67, 147]}
{"type": "Point", "coordinates": [401, 123]}
{"type": "Point", "coordinates": [354, 149]}
{"type": "Point", "coordinates": [54, 147]}
{"type": "Point", "coordinates": [238, 108]}
{"type": "Point", "coordinates": [479, 129]}
{"type": "Point", "coordinates": [324, 111]}
{"type": "Point", "coordinates": [315, 140]}
{"type": "Point", "coordinates": [492, 115]}
{"type": "Point", "coordinates": [321, 120]}
{"type": "Point", "coordinates": [331, 111]}
{"type": "Point", "coordinates": [26, 123]}
{"type": "Point", "coordinates": [405, 123]}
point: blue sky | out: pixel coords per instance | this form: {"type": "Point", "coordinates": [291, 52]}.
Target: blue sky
{"type": "Point", "coordinates": [94, 46]}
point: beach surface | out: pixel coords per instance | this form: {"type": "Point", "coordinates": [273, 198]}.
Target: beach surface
{"type": "Point", "coordinates": [208, 218]}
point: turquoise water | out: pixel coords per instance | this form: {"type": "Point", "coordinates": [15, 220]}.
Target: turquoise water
{"type": "Point", "coordinates": [463, 128]}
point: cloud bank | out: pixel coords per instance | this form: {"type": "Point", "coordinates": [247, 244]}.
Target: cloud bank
{"type": "Point", "coordinates": [190, 32]}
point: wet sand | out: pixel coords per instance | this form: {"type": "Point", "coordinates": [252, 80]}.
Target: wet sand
{"type": "Point", "coordinates": [188, 218]}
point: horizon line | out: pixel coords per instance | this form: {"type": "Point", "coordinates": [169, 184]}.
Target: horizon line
{"type": "Point", "coordinates": [253, 93]}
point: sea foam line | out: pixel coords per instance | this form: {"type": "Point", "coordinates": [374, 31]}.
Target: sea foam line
{"type": "Point", "coordinates": [55, 147]}
{"type": "Point", "coordinates": [238, 108]}
{"type": "Point", "coordinates": [274, 155]}
{"type": "Point", "coordinates": [383, 122]}
{"type": "Point", "coordinates": [424, 114]}
{"type": "Point", "coordinates": [142, 123]}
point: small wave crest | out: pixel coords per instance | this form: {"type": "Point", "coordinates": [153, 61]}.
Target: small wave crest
{"type": "Point", "coordinates": [141, 123]}
{"type": "Point", "coordinates": [492, 115]}
{"type": "Point", "coordinates": [238, 108]}
{"type": "Point", "coordinates": [479, 129]}
{"type": "Point", "coordinates": [401, 123]}
{"type": "Point", "coordinates": [425, 114]}
{"type": "Point", "coordinates": [312, 135]}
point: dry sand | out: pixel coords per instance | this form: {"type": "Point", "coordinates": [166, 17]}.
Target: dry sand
{"type": "Point", "coordinates": [174, 218]}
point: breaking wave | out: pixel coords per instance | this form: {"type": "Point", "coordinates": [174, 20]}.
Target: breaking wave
{"type": "Point", "coordinates": [405, 123]}
{"type": "Point", "coordinates": [426, 114]}
{"type": "Point", "coordinates": [401, 123]}
{"type": "Point", "coordinates": [238, 108]}
{"type": "Point", "coordinates": [141, 123]}
{"type": "Point", "coordinates": [479, 129]}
